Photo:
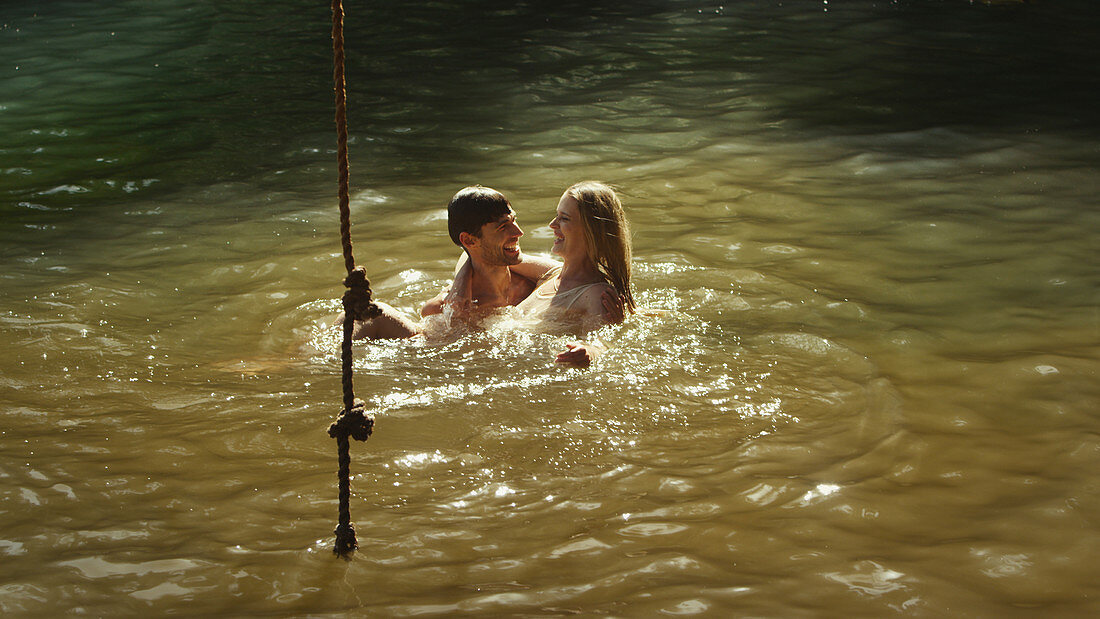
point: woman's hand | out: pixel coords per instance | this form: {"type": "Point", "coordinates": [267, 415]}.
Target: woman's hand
{"type": "Point", "coordinates": [575, 355]}
{"type": "Point", "coordinates": [580, 354]}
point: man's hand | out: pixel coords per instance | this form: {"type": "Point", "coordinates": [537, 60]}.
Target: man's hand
{"type": "Point", "coordinates": [612, 308]}
{"type": "Point", "coordinates": [575, 355]}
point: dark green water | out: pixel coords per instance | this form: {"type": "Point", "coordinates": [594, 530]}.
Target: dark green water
{"type": "Point", "coordinates": [872, 227]}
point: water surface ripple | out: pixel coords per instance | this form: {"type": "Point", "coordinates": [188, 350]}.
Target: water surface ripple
{"type": "Point", "coordinates": [864, 383]}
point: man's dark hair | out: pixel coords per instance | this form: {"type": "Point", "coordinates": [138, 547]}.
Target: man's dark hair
{"type": "Point", "coordinates": [473, 207]}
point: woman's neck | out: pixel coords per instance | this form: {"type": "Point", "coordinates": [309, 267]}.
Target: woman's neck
{"type": "Point", "coordinates": [578, 272]}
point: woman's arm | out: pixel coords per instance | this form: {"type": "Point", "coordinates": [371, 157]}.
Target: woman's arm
{"type": "Point", "coordinates": [581, 354]}
{"type": "Point", "coordinates": [598, 305]}
{"type": "Point", "coordinates": [603, 304]}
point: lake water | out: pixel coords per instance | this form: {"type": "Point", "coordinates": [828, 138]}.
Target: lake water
{"type": "Point", "coordinates": [870, 227]}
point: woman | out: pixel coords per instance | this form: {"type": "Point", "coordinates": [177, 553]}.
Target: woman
{"type": "Point", "coordinates": [592, 238]}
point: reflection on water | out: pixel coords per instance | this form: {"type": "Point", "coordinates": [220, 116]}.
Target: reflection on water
{"type": "Point", "coordinates": [865, 382]}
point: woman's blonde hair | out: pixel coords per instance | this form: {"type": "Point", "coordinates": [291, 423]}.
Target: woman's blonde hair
{"type": "Point", "coordinates": [606, 233]}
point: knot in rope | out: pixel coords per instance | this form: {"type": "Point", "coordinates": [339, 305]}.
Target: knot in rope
{"type": "Point", "coordinates": [353, 422]}
{"type": "Point", "coordinates": [357, 298]}
{"type": "Point", "coordinates": [345, 539]}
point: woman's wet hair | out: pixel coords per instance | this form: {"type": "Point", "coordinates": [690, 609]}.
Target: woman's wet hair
{"type": "Point", "coordinates": [607, 234]}
{"type": "Point", "coordinates": [473, 207]}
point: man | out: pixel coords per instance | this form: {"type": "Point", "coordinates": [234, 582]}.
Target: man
{"type": "Point", "coordinates": [481, 221]}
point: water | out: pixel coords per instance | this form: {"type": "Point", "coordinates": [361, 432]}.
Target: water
{"type": "Point", "coordinates": [872, 389]}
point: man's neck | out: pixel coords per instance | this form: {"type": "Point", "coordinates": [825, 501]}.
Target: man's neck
{"type": "Point", "coordinates": [490, 283]}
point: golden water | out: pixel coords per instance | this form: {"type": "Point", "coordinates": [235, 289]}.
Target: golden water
{"type": "Point", "coordinates": [872, 389]}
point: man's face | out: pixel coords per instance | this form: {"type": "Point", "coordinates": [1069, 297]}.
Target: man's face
{"type": "Point", "coordinates": [499, 242]}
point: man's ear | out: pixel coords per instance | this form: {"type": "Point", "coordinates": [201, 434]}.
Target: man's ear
{"type": "Point", "coordinates": [468, 240]}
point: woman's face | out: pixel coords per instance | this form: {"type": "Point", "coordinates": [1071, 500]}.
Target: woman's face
{"type": "Point", "coordinates": [568, 230]}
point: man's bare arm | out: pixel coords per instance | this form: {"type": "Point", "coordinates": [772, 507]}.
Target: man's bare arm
{"type": "Point", "coordinates": [458, 294]}
{"type": "Point", "coordinates": [534, 267]}
{"type": "Point", "coordinates": [434, 305]}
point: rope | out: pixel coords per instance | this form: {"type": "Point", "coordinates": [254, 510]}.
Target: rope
{"type": "Point", "coordinates": [353, 420]}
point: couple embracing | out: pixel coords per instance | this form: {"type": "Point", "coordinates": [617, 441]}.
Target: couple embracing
{"type": "Point", "coordinates": [590, 287]}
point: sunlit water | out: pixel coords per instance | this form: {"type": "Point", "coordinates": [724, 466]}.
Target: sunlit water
{"type": "Point", "coordinates": [865, 383]}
